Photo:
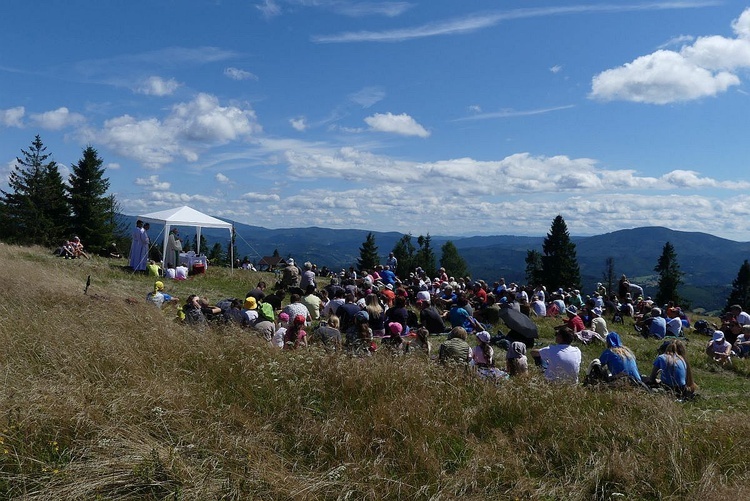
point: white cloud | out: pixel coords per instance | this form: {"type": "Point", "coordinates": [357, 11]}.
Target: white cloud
{"type": "Point", "coordinates": [190, 128]}
{"type": "Point", "coordinates": [556, 69]}
{"type": "Point", "coordinates": [112, 166]}
{"type": "Point", "coordinates": [157, 86]}
{"type": "Point", "coordinates": [367, 96]}
{"type": "Point", "coordinates": [222, 178]}
{"type": "Point", "coordinates": [511, 113]}
{"type": "Point", "coordinates": [57, 119]}
{"type": "Point", "coordinates": [475, 108]}
{"type": "Point", "coordinates": [152, 183]}
{"type": "Point", "coordinates": [361, 9]}
{"type": "Point", "coordinates": [238, 74]}
{"type": "Point", "coordinates": [397, 124]}
{"type": "Point", "coordinates": [479, 21]}
{"type": "Point", "coordinates": [260, 197]}
{"type": "Point", "coordinates": [703, 69]}
{"type": "Point", "coordinates": [677, 41]}
{"type": "Point", "coordinates": [269, 8]}
{"type": "Point", "coordinates": [12, 117]}
{"type": "Point", "coordinates": [299, 123]}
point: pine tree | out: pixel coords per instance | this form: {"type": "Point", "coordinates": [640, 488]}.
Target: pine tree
{"type": "Point", "coordinates": [740, 288]}
{"type": "Point", "coordinates": [404, 251]}
{"type": "Point", "coordinates": [425, 257]}
{"type": "Point", "coordinates": [451, 260]}
{"type": "Point", "coordinates": [368, 254]}
{"type": "Point", "coordinates": [534, 269]}
{"type": "Point", "coordinates": [608, 277]}
{"type": "Point", "coordinates": [216, 255]}
{"type": "Point", "coordinates": [670, 276]}
{"type": "Point", "coordinates": [36, 209]}
{"type": "Point", "coordinates": [93, 210]}
{"type": "Point", "coordinates": [560, 263]}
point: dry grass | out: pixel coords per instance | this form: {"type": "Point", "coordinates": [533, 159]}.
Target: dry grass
{"type": "Point", "coordinates": [111, 399]}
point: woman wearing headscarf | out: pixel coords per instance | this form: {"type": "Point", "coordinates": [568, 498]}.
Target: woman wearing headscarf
{"type": "Point", "coordinates": [619, 359]}
{"type": "Point", "coordinates": [516, 362]}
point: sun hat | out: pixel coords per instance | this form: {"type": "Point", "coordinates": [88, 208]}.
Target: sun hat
{"type": "Point", "coordinates": [284, 317]}
{"type": "Point", "coordinates": [299, 320]}
{"type": "Point", "coordinates": [572, 310]}
{"type": "Point", "coordinates": [718, 336]}
{"type": "Point", "coordinates": [362, 316]}
{"type": "Point", "coordinates": [395, 328]}
{"type": "Point", "coordinates": [597, 311]}
{"type": "Point", "coordinates": [483, 336]}
{"type": "Point", "coordinates": [250, 303]}
{"type": "Point", "coordinates": [159, 285]}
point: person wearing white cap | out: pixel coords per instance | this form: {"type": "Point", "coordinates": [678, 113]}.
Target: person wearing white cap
{"type": "Point", "coordinates": [598, 324]}
{"type": "Point", "coordinates": [719, 349]}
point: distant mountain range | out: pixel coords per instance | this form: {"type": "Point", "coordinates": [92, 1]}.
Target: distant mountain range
{"type": "Point", "coordinates": [710, 263]}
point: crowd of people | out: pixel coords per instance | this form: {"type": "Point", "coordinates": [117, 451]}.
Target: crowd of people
{"type": "Point", "coordinates": [374, 310]}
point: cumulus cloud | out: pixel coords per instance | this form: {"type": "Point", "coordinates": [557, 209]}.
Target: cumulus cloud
{"type": "Point", "coordinates": [260, 197]}
{"type": "Point", "coordinates": [157, 86]}
{"type": "Point", "coordinates": [221, 178]}
{"type": "Point", "coordinates": [12, 117]}
{"type": "Point", "coordinates": [188, 129]}
{"type": "Point", "coordinates": [57, 119]}
{"type": "Point", "coordinates": [396, 124]}
{"type": "Point", "coordinates": [238, 74]}
{"type": "Point", "coordinates": [152, 183]}
{"type": "Point", "coordinates": [704, 69]}
{"type": "Point", "coordinates": [299, 123]}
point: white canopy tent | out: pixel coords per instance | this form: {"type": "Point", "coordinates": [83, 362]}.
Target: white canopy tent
{"type": "Point", "coordinates": [186, 216]}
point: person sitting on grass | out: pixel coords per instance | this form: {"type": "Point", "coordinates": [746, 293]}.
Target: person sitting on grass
{"type": "Point", "coordinates": [328, 334]}
{"type": "Point", "coordinates": [153, 269]}
{"type": "Point", "coordinates": [619, 359]}
{"type": "Point", "coordinates": [742, 344]}
{"type": "Point", "coordinates": [560, 361]}
{"type": "Point", "coordinates": [421, 344]}
{"type": "Point", "coordinates": [672, 371]}
{"type": "Point", "coordinates": [394, 343]}
{"type": "Point", "coordinates": [484, 358]}
{"type": "Point", "coordinates": [573, 321]}
{"type": "Point", "coordinates": [193, 311]}
{"type": "Point", "coordinates": [455, 349]}
{"type": "Point", "coordinates": [295, 335]}
{"type": "Point", "coordinates": [159, 297]}
{"type": "Point", "coordinates": [278, 338]}
{"type": "Point", "coordinates": [516, 362]}
{"type": "Point", "coordinates": [719, 349]}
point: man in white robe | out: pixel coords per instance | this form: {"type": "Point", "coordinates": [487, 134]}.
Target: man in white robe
{"type": "Point", "coordinates": [174, 247]}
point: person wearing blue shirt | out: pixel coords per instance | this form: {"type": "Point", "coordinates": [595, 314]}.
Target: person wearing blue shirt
{"type": "Point", "coordinates": [619, 359]}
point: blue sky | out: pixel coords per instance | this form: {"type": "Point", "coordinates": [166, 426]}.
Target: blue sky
{"type": "Point", "coordinates": [442, 117]}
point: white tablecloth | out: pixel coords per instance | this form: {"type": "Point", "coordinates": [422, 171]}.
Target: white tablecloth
{"type": "Point", "coordinates": [189, 260]}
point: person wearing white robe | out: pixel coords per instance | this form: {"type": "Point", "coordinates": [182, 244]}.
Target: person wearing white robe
{"type": "Point", "coordinates": [137, 256]}
{"type": "Point", "coordinates": [174, 247]}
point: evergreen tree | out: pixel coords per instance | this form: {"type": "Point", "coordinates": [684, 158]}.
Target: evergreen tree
{"type": "Point", "coordinates": [740, 288]}
{"type": "Point", "coordinates": [608, 277]}
{"type": "Point", "coordinates": [203, 245]}
{"type": "Point", "coordinates": [276, 253]}
{"type": "Point", "coordinates": [368, 254]}
{"type": "Point", "coordinates": [534, 269]}
{"type": "Point", "coordinates": [35, 209]}
{"type": "Point", "coordinates": [560, 263]}
{"type": "Point", "coordinates": [216, 255]}
{"type": "Point", "coordinates": [451, 260]}
{"type": "Point", "coordinates": [404, 251]}
{"type": "Point", "coordinates": [425, 257]}
{"type": "Point", "coordinates": [670, 276]}
{"type": "Point", "coordinates": [93, 210]}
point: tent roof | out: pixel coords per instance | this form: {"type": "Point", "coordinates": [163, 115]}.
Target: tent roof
{"type": "Point", "coordinates": [185, 216]}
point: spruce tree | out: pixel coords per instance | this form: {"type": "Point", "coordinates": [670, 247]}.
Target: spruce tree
{"type": "Point", "coordinates": [534, 268]}
{"type": "Point", "coordinates": [559, 262]}
{"type": "Point", "coordinates": [404, 251]}
{"type": "Point", "coordinates": [93, 210]}
{"type": "Point", "coordinates": [670, 276]}
{"type": "Point", "coordinates": [368, 254]}
{"type": "Point", "coordinates": [425, 257]}
{"type": "Point", "coordinates": [740, 288]}
{"type": "Point", "coordinates": [35, 209]}
{"type": "Point", "coordinates": [451, 260]}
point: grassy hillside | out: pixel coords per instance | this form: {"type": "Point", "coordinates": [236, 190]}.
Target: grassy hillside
{"type": "Point", "coordinates": [106, 397]}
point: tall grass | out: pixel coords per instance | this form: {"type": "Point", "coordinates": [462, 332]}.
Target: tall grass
{"type": "Point", "coordinates": [105, 397]}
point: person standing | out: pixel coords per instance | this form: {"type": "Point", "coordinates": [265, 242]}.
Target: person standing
{"type": "Point", "coordinates": [174, 247]}
{"type": "Point", "coordinates": [135, 246]}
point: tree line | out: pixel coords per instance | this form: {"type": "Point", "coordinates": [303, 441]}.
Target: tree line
{"type": "Point", "coordinates": [40, 208]}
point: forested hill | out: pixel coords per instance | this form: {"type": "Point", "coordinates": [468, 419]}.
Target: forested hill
{"type": "Point", "coordinates": [710, 263]}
